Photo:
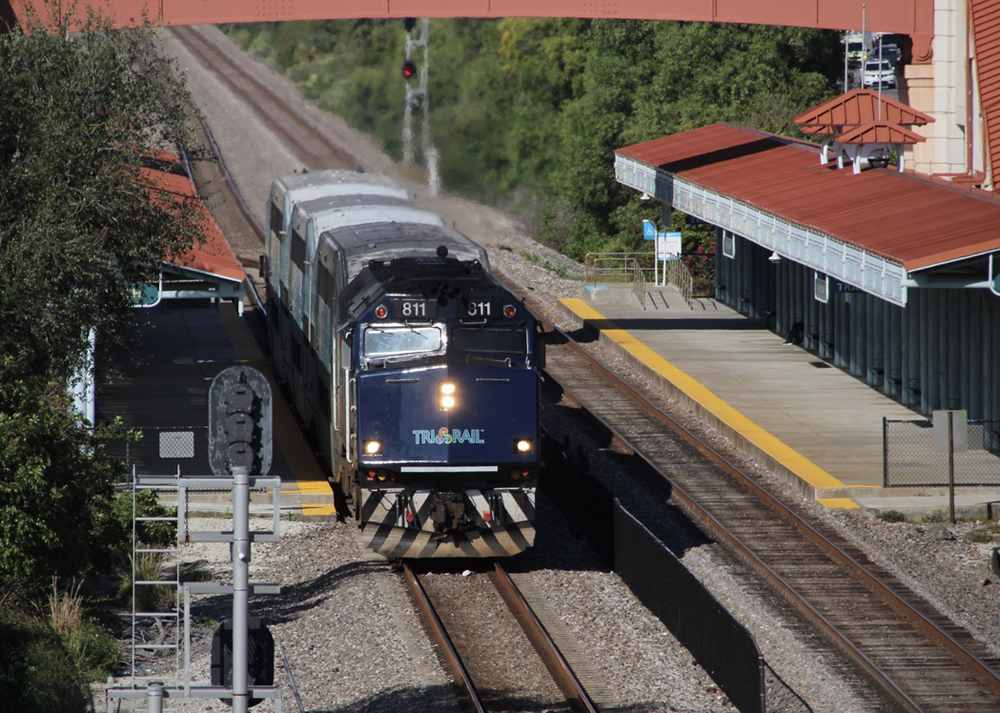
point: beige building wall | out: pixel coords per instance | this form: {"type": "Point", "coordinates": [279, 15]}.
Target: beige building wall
{"type": "Point", "coordinates": [940, 90]}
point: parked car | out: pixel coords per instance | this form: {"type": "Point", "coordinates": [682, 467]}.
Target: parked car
{"type": "Point", "coordinates": [890, 53]}
{"type": "Point", "coordinates": [857, 47]}
{"type": "Point", "coordinates": [879, 74]}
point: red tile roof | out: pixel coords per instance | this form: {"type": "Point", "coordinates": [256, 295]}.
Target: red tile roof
{"type": "Point", "coordinates": [858, 106]}
{"type": "Point", "coordinates": [917, 222]}
{"type": "Point", "coordinates": [879, 132]}
{"type": "Point", "coordinates": [214, 256]}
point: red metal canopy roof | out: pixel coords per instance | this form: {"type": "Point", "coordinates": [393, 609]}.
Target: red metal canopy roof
{"type": "Point", "coordinates": [214, 256]}
{"type": "Point", "coordinates": [917, 222]}
{"type": "Point", "coordinates": [879, 132]}
{"type": "Point", "coordinates": [858, 106]}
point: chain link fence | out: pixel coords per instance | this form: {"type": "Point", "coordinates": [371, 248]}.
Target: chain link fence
{"type": "Point", "coordinates": [162, 450]}
{"type": "Point", "coordinates": [909, 458]}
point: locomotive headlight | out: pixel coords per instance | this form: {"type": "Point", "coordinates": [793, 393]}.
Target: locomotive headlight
{"type": "Point", "coordinates": [524, 445]}
{"type": "Point", "coordinates": [447, 390]}
{"type": "Point", "coordinates": [372, 448]}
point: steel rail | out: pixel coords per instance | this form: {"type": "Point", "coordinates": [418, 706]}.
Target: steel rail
{"type": "Point", "coordinates": [230, 181]}
{"type": "Point", "coordinates": [245, 211]}
{"type": "Point", "coordinates": [972, 663]}
{"type": "Point", "coordinates": [447, 648]}
{"type": "Point", "coordinates": [202, 48]}
{"type": "Point", "coordinates": [557, 665]}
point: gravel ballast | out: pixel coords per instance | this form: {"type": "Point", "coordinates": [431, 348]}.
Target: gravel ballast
{"type": "Point", "coordinates": [344, 621]}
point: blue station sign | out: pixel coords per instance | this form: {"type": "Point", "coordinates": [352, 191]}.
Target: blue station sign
{"type": "Point", "coordinates": [146, 295]}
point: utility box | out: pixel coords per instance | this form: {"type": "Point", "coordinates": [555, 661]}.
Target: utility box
{"type": "Point", "coordinates": [260, 656]}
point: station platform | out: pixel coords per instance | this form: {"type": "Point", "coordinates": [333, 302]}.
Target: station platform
{"type": "Point", "coordinates": [182, 348]}
{"type": "Point", "coordinates": [811, 424]}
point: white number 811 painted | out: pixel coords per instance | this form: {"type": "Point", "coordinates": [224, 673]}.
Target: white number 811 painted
{"type": "Point", "coordinates": [479, 309]}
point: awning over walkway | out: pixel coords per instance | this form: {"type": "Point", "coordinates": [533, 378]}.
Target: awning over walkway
{"type": "Point", "coordinates": [874, 230]}
{"type": "Point", "coordinates": [208, 269]}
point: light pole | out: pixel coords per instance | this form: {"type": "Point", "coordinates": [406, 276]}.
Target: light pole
{"type": "Point", "coordinates": [418, 97]}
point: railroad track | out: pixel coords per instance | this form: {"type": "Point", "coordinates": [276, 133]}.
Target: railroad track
{"type": "Point", "coordinates": [921, 660]}
{"type": "Point", "coordinates": [477, 635]}
{"type": "Point", "coordinates": [313, 149]}
{"type": "Point", "coordinates": [918, 658]}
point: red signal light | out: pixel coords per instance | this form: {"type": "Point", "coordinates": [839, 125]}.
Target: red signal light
{"type": "Point", "coordinates": [409, 69]}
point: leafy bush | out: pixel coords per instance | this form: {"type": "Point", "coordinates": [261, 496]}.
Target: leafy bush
{"type": "Point", "coordinates": [37, 675]}
{"type": "Point", "coordinates": [57, 488]}
{"type": "Point", "coordinates": [148, 567]}
{"type": "Point", "coordinates": [980, 535]}
{"type": "Point", "coordinates": [152, 534]}
{"type": "Point", "coordinates": [891, 516]}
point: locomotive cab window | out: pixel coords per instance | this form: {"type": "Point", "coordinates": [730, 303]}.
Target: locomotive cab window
{"type": "Point", "coordinates": [387, 342]}
{"type": "Point", "coordinates": [492, 342]}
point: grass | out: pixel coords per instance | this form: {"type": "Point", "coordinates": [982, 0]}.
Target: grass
{"type": "Point", "coordinates": [980, 535]}
{"type": "Point", "coordinates": [148, 567]}
{"type": "Point", "coordinates": [990, 532]}
{"type": "Point", "coordinates": [37, 674]}
{"type": "Point", "coordinates": [91, 650]}
{"type": "Point", "coordinates": [558, 271]}
{"type": "Point", "coordinates": [891, 516]}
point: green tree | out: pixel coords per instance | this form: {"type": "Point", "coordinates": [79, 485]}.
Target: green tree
{"type": "Point", "coordinates": [527, 112]}
{"type": "Point", "coordinates": [79, 221]}
{"type": "Point", "coordinates": [56, 490]}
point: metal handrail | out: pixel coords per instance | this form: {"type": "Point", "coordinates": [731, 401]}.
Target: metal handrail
{"type": "Point", "coordinates": [639, 283]}
{"type": "Point", "coordinates": [613, 267]}
{"type": "Point", "coordinates": [629, 266]}
{"type": "Point", "coordinates": [680, 277]}
{"type": "Point", "coordinates": [617, 267]}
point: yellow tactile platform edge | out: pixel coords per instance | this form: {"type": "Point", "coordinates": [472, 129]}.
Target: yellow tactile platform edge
{"type": "Point", "coordinates": [308, 479]}
{"type": "Point", "coordinates": [784, 454]}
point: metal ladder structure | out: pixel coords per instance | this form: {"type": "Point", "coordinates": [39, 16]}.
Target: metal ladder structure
{"type": "Point", "coordinates": [143, 688]}
{"type": "Point", "coordinates": [170, 636]}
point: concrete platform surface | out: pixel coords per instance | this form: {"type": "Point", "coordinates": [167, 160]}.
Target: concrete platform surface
{"type": "Point", "coordinates": [810, 423]}
{"type": "Point", "coordinates": [184, 346]}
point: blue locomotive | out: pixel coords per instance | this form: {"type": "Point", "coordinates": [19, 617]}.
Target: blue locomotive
{"type": "Point", "coordinates": [418, 372]}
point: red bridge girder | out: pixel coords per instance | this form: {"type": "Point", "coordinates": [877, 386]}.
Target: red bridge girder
{"type": "Point", "coordinates": [909, 17]}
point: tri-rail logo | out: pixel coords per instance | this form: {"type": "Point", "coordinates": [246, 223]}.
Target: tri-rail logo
{"type": "Point", "coordinates": [444, 436]}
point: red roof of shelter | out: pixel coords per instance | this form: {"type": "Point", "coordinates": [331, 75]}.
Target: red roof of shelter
{"type": "Point", "coordinates": [879, 132]}
{"type": "Point", "coordinates": [214, 256]}
{"type": "Point", "coordinates": [915, 221]}
{"type": "Point", "coordinates": [858, 106]}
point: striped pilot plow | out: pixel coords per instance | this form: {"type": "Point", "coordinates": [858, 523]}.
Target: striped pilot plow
{"type": "Point", "coordinates": [404, 523]}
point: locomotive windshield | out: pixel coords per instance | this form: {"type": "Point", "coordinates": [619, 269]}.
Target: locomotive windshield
{"type": "Point", "coordinates": [385, 342]}
{"type": "Point", "coordinates": [492, 342]}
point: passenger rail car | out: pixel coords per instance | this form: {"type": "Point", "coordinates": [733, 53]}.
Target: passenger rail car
{"type": "Point", "coordinates": [418, 372]}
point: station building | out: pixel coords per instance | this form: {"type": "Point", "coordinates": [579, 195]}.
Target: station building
{"type": "Point", "coordinates": [890, 275]}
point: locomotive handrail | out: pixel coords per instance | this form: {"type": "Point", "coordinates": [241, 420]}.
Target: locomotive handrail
{"type": "Point", "coordinates": [348, 408]}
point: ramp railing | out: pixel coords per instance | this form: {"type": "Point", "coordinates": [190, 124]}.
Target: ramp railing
{"type": "Point", "coordinates": [619, 268]}
{"type": "Point", "coordinates": [637, 268]}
